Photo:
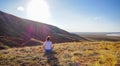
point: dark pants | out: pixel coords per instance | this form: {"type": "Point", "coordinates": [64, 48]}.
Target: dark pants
{"type": "Point", "coordinates": [48, 51]}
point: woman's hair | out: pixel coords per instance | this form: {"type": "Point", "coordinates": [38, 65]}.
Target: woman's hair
{"type": "Point", "coordinates": [48, 38]}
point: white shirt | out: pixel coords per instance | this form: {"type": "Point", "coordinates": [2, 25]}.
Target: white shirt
{"type": "Point", "coordinates": [48, 45]}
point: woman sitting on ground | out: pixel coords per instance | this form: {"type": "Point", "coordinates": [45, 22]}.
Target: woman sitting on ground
{"type": "Point", "coordinates": [48, 45]}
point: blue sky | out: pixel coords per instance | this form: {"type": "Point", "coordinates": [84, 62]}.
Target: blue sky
{"type": "Point", "coordinates": [74, 15]}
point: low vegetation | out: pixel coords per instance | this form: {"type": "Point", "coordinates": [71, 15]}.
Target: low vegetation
{"type": "Point", "coordinates": [101, 53]}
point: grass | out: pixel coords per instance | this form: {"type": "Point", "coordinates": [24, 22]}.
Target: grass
{"type": "Point", "coordinates": [101, 53]}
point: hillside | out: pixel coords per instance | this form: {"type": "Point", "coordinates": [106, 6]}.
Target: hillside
{"type": "Point", "coordinates": [20, 31]}
{"type": "Point", "coordinates": [65, 54]}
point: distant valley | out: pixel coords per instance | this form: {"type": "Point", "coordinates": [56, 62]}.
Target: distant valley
{"type": "Point", "coordinates": [100, 36]}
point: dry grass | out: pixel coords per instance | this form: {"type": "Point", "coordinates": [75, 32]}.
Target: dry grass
{"type": "Point", "coordinates": [68, 54]}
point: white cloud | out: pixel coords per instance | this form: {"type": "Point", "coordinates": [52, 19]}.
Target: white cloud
{"type": "Point", "coordinates": [20, 8]}
{"type": "Point", "coordinates": [97, 18]}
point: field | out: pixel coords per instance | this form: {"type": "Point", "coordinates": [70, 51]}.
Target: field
{"type": "Point", "coordinates": [99, 53]}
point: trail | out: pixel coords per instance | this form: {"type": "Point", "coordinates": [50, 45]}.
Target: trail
{"type": "Point", "coordinates": [21, 42]}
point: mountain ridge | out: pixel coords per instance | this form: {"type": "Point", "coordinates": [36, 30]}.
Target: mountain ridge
{"type": "Point", "coordinates": [24, 30]}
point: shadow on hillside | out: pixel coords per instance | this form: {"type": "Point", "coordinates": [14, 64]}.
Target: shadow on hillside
{"type": "Point", "coordinates": [51, 59]}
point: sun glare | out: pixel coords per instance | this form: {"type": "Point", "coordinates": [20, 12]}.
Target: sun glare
{"type": "Point", "coordinates": [38, 10]}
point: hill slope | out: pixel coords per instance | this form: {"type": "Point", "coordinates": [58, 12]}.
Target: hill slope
{"type": "Point", "coordinates": [65, 54]}
{"type": "Point", "coordinates": [21, 30]}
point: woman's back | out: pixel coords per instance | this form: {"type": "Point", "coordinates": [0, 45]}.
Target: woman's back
{"type": "Point", "coordinates": [48, 45]}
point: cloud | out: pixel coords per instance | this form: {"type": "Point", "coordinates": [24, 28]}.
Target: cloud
{"type": "Point", "coordinates": [97, 18]}
{"type": "Point", "coordinates": [20, 8]}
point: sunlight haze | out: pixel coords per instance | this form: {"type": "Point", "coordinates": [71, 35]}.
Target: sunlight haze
{"type": "Point", "coordinates": [38, 10]}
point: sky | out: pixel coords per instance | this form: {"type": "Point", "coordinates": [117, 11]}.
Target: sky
{"type": "Point", "coordinates": [70, 15]}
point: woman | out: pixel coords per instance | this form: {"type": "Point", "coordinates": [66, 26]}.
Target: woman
{"type": "Point", "coordinates": [48, 45]}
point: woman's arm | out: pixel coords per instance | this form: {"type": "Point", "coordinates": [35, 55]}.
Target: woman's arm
{"type": "Point", "coordinates": [52, 46]}
{"type": "Point", "coordinates": [44, 45]}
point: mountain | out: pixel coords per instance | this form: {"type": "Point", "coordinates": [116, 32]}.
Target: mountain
{"type": "Point", "coordinates": [17, 31]}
